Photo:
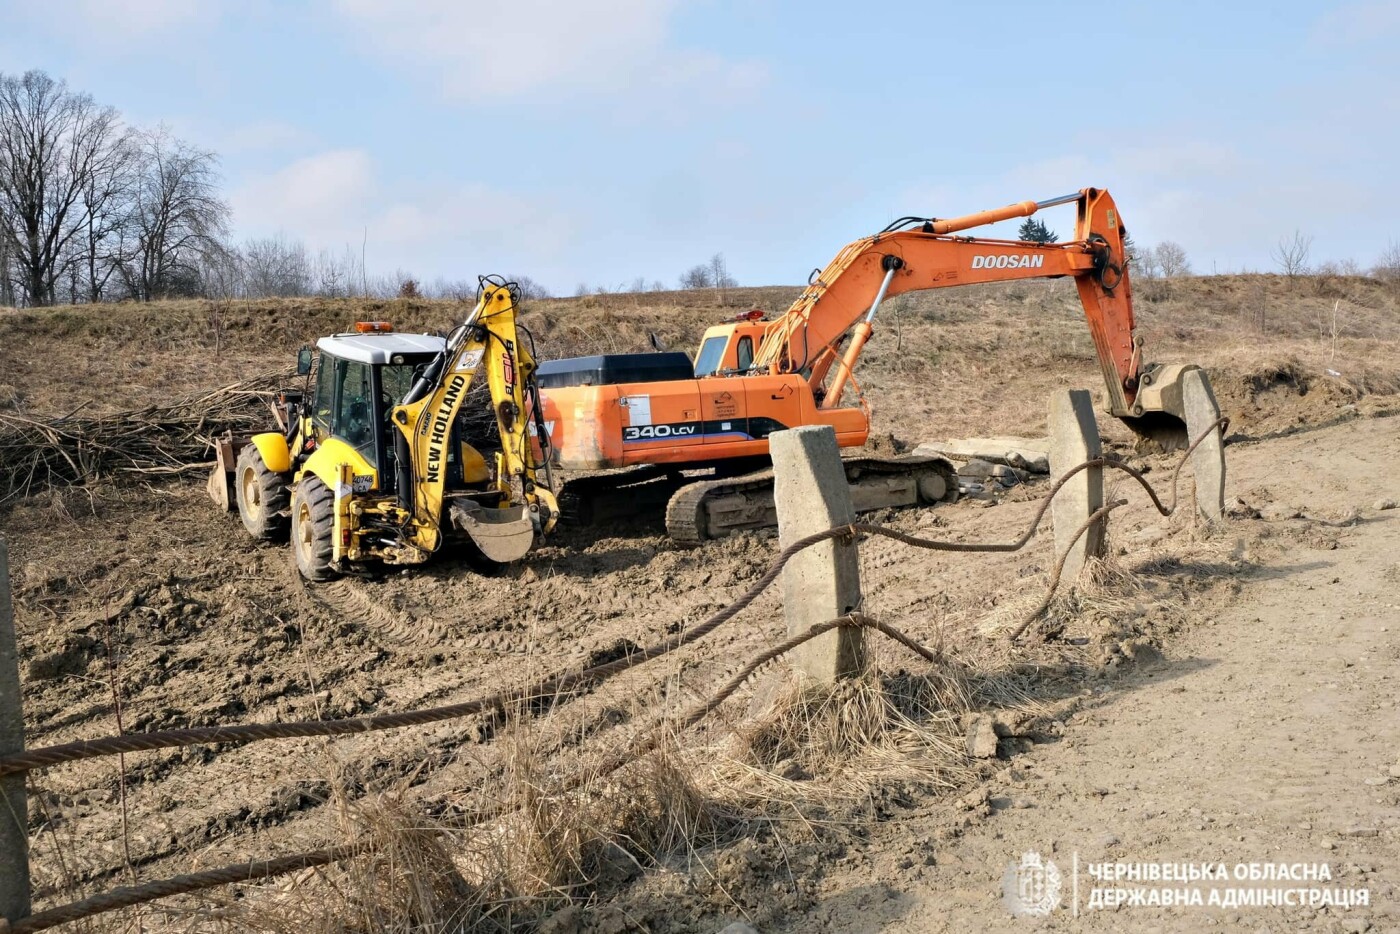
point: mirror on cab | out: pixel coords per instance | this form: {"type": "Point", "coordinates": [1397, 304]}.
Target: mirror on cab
{"type": "Point", "coordinates": [304, 361]}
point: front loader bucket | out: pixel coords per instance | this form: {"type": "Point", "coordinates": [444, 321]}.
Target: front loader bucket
{"type": "Point", "coordinates": [220, 485]}
{"type": "Point", "coordinates": [502, 535]}
{"type": "Point", "coordinates": [1159, 414]}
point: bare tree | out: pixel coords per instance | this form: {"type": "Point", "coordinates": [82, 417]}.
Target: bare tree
{"type": "Point", "coordinates": [7, 285]}
{"type": "Point", "coordinates": [1142, 261]}
{"type": "Point", "coordinates": [275, 267]}
{"type": "Point", "coordinates": [1171, 259]}
{"type": "Point", "coordinates": [457, 290]}
{"type": "Point", "coordinates": [1387, 268]}
{"type": "Point", "coordinates": [697, 277]}
{"type": "Point", "coordinates": [1291, 254]}
{"type": "Point", "coordinates": [529, 288]}
{"type": "Point", "coordinates": [177, 216]}
{"type": "Point", "coordinates": [222, 273]}
{"type": "Point", "coordinates": [107, 199]}
{"type": "Point", "coordinates": [54, 146]}
{"type": "Point", "coordinates": [719, 274]}
{"type": "Point", "coordinates": [336, 276]}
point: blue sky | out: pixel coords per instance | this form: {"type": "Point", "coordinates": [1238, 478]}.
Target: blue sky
{"type": "Point", "coordinates": [595, 141]}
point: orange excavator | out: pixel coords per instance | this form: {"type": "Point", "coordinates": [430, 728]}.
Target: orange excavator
{"type": "Point", "coordinates": [668, 419]}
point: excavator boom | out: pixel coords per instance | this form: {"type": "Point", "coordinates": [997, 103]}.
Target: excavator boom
{"type": "Point", "coordinates": [844, 296]}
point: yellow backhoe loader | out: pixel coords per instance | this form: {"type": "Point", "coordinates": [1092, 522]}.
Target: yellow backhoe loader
{"type": "Point", "coordinates": [379, 461]}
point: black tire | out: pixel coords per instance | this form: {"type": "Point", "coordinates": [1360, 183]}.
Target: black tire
{"type": "Point", "coordinates": [313, 525]}
{"type": "Point", "coordinates": [263, 497]}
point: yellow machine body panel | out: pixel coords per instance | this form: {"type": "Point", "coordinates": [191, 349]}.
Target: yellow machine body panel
{"type": "Point", "coordinates": [274, 450]}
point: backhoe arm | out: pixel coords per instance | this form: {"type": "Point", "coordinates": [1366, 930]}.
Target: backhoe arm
{"type": "Point", "coordinates": [828, 325]}
{"type": "Point", "coordinates": [488, 340]}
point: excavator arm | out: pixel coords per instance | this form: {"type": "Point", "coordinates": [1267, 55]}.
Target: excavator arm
{"type": "Point", "coordinates": [825, 330]}
{"type": "Point", "coordinates": [503, 518]}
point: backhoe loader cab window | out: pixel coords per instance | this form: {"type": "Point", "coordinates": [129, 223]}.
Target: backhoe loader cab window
{"type": "Point", "coordinates": [711, 356]}
{"type": "Point", "coordinates": [397, 380]}
{"type": "Point", "coordinates": [324, 400]}
{"type": "Point", "coordinates": [354, 410]}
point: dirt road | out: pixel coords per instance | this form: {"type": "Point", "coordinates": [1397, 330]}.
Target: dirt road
{"type": "Point", "coordinates": [1270, 734]}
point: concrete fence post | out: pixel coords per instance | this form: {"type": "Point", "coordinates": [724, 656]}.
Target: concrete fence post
{"type": "Point", "coordinates": [822, 582]}
{"type": "Point", "coordinates": [1074, 439]}
{"type": "Point", "coordinates": [14, 805]}
{"type": "Point", "coordinates": [1208, 460]}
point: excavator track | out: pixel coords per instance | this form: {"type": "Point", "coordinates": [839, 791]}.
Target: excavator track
{"type": "Point", "coordinates": [602, 497]}
{"type": "Point", "coordinates": [709, 509]}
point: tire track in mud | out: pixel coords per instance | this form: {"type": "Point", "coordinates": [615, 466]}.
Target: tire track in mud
{"type": "Point", "coordinates": [350, 601]}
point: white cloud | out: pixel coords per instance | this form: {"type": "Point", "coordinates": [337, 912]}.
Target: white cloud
{"type": "Point", "coordinates": [336, 198]}
{"type": "Point", "coordinates": [108, 22]}
{"type": "Point", "coordinates": [322, 197]}
{"type": "Point", "coordinates": [481, 52]}
{"type": "Point", "coordinates": [1226, 205]}
{"type": "Point", "coordinates": [1362, 22]}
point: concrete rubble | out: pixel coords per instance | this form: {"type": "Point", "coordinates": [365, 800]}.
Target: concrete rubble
{"type": "Point", "coordinates": [1028, 454]}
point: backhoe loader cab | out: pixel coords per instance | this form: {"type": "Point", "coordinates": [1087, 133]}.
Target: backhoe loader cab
{"type": "Point", "coordinates": [378, 459]}
{"type": "Point", "coordinates": [359, 379]}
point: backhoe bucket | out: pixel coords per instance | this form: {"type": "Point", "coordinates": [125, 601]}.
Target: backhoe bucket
{"type": "Point", "coordinates": [502, 535]}
{"type": "Point", "coordinates": [1159, 414]}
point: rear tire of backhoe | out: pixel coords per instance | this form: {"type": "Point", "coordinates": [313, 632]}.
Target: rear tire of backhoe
{"type": "Point", "coordinates": [262, 497]}
{"type": "Point", "coordinates": [313, 526]}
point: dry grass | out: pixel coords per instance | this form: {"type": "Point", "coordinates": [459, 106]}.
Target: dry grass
{"type": "Point", "coordinates": [567, 829]}
{"type": "Point", "coordinates": [859, 733]}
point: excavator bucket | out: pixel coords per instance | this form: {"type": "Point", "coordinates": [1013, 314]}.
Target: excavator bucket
{"type": "Point", "coordinates": [1159, 413]}
{"type": "Point", "coordinates": [502, 535]}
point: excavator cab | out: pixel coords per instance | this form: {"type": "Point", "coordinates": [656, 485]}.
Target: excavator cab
{"type": "Point", "coordinates": [730, 349]}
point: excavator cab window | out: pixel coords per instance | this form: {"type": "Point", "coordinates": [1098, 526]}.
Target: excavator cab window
{"type": "Point", "coordinates": [397, 380]}
{"type": "Point", "coordinates": [745, 352]}
{"type": "Point", "coordinates": [711, 356]}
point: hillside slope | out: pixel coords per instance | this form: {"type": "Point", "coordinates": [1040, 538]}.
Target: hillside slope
{"type": "Point", "coordinates": [959, 361]}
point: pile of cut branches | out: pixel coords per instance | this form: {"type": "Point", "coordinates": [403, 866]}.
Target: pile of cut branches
{"type": "Point", "coordinates": [170, 437]}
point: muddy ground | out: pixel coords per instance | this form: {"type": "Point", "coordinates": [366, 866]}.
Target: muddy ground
{"type": "Point", "coordinates": [141, 605]}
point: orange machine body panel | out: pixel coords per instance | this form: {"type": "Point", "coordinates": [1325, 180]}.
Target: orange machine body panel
{"type": "Point", "coordinates": [689, 421]}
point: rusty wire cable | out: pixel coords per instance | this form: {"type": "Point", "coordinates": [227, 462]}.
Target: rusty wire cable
{"type": "Point", "coordinates": [131, 895]}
